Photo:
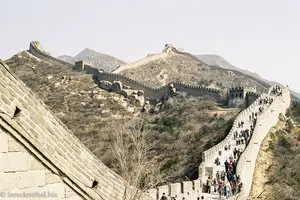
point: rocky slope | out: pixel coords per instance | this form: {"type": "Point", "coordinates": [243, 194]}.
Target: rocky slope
{"type": "Point", "coordinates": [98, 60]}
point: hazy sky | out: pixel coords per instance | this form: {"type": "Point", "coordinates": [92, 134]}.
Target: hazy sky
{"type": "Point", "coordinates": [259, 35]}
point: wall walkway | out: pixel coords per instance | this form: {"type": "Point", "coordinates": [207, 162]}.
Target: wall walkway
{"type": "Point", "coordinates": [268, 118]}
{"type": "Point", "coordinates": [265, 122]}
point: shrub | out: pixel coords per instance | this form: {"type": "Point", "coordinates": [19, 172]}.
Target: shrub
{"type": "Point", "coordinates": [284, 142]}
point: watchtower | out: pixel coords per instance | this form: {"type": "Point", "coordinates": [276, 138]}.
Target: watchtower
{"type": "Point", "coordinates": [237, 96]}
{"type": "Point", "coordinates": [79, 65]}
{"type": "Point", "coordinates": [168, 48]}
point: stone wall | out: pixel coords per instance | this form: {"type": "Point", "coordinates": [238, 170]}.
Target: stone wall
{"type": "Point", "coordinates": [186, 189]}
{"type": "Point", "coordinates": [150, 93]}
{"type": "Point", "coordinates": [204, 168]}
{"type": "Point", "coordinates": [31, 122]}
{"type": "Point", "coordinates": [157, 93]}
{"type": "Point", "coordinates": [21, 171]}
{"type": "Point", "coordinates": [36, 50]}
{"type": "Point", "coordinates": [241, 96]}
{"type": "Point", "coordinates": [265, 122]}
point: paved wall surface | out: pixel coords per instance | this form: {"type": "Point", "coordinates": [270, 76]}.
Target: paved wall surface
{"type": "Point", "coordinates": [21, 172]}
{"type": "Point", "coordinates": [265, 122]}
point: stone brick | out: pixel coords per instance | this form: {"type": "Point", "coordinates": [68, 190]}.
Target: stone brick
{"type": "Point", "coordinates": [15, 146]}
{"type": "Point", "coordinates": [19, 180]}
{"type": "Point", "coordinates": [3, 142]}
{"type": "Point", "coordinates": [35, 164]}
{"type": "Point", "coordinates": [175, 189]}
{"type": "Point", "coordinates": [5, 99]}
{"type": "Point", "coordinates": [52, 178]}
{"type": "Point", "coordinates": [58, 189]}
{"type": "Point", "coordinates": [22, 103]}
{"type": "Point", "coordinates": [73, 198]}
{"type": "Point", "coordinates": [69, 192]}
{"type": "Point", "coordinates": [14, 161]}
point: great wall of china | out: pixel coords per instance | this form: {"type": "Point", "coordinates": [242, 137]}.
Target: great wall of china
{"type": "Point", "coordinates": [56, 160]}
{"type": "Point", "coordinates": [38, 152]}
{"type": "Point", "coordinates": [192, 190]}
{"type": "Point", "coordinates": [149, 92]}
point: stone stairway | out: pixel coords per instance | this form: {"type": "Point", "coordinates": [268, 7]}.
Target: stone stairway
{"type": "Point", "coordinates": [247, 123]}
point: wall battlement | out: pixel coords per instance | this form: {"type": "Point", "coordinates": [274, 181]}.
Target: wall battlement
{"type": "Point", "coordinates": [149, 92]}
{"type": "Point", "coordinates": [241, 96]}
{"type": "Point", "coordinates": [246, 89]}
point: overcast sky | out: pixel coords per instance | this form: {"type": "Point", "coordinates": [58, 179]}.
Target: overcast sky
{"type": "Point", "coordinates": [258, 35]}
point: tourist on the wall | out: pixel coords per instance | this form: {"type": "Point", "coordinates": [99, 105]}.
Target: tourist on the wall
{"type": "Point", "coordinates": [209, 184]}
{"type": "Point", "coordinates": [226, 165]}
{"type": "Point", "coordinates": [221, 188]}
{"type": "Point", "coordinates": [163, 197]}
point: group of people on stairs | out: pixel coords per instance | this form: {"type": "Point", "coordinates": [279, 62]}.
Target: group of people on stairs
{"type": "Point", "coordinates": [226, 182]}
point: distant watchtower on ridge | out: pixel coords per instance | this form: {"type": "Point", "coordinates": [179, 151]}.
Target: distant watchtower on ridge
{"type": "Point", "coordinates": [168, 48]}
{"type": "Point", "coordinates": [241, 96]}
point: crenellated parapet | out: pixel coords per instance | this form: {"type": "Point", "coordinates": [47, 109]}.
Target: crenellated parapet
{"type": "Point", "coordinates": [241, 96]}
{"type": "Point", "coordinates": [152, 93]}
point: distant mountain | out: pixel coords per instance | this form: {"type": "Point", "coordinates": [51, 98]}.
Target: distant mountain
{"type": "Point", "coordinates": [98, 60]}
{"type": "Point", "coordinates": [216, 60]}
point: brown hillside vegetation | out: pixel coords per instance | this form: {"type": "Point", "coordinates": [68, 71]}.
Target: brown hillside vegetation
{"type": "Point", "coordinates": [179, 67]}
{"type": "Point", "coordinates": [178, 133]}
{"type": "Point", "coordinates": [277, 172]}
{"type": "Point", "coordinates": [73, 97]}
{"type": "Point", "coordinates": [182, 130]}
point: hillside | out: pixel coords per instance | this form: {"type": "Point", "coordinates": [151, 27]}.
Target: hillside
{"type": "Point", "coordinates": [178, 136]}
{"type": "Point", "coordinates": [98, 60]}
{"type": "Point", "coordinates": [277, 174]}
{"type": "Point", "coordinates": [182, 130]}
{"type": "Point", "coordinates": [74, 98]}
{"type": "Point", "coordinates": [181, 67]}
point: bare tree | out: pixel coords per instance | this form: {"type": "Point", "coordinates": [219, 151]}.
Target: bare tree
{"type": "Point", "coordinates": [134, 164]}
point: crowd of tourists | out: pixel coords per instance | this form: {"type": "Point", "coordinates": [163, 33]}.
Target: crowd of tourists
{"type": "Point", "coordinates": [227, 182]}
